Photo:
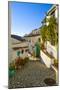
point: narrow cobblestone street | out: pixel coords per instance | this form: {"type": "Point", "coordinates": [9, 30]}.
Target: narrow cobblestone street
{"type": "Point", "coordinates": [31, 75]}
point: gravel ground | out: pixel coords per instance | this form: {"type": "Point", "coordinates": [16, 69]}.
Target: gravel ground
{"type": "Point", "coordinates": [32, 74]}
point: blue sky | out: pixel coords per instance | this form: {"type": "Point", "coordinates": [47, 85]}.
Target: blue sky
{"type": "Point", "coordinates": [26, 17]}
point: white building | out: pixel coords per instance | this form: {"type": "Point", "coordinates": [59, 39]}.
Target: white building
{"type": "Point", "coordinates": [32, 38]}
{"type": "Point", "coordinates": [18, 44]}
{"type": "Point", "coordinates": [53, 11]}
{"type": "Point", "coordinates": [24, 44]}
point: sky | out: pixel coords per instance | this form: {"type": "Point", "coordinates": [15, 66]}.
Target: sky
{"type": "Point", "coordinates": [26, 17]}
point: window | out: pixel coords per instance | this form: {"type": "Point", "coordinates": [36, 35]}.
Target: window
{"type": "Point", "coordinates": [53, 13]}
{"type": "Point", "coordinates": [26, 50]}
{"type": "Point", "coordinates": [22, 51]}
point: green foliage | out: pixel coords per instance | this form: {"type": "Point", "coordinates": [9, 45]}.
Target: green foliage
{"type": "Point", "coordinates": [11, 70]}
{"type": "Point", "coordinates": [43, 33]}
{"type": "Point", "coordinates": [49, 33]}
{"type": "Point", "coordinates": [12, 66]}
{"type": "Point", "coordinates": [52, 28]}
{"type": "Point", "coordinates": [11, 73]}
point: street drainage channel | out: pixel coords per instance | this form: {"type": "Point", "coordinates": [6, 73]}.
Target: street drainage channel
{"type": "Point", "coordinates": [50, 81]}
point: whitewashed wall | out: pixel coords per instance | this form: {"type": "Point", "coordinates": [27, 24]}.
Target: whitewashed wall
{"type": "Point", "coordinates": [51, 49]}
{"type": "Point", "coordinates": [14, 54]}
{"type": "Point", "coordinates": [45, 59]}
{"type": "Point", "coordinates": [56, 12]}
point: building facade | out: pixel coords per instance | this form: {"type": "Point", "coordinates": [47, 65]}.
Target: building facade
{"type": "Point", "coordinates": [18, 44]}
{"type": "Point", "coordinates": [25, 45]}
{"type": "Point", "coordinates": [52, 12]}
{"type": "Point", "coordinates": [32, 38]}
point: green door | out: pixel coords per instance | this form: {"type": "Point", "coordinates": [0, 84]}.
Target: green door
{"type": "Point", "coordinates": [37, 50]}
{"type": "Point", "coordinates": [18, 53]}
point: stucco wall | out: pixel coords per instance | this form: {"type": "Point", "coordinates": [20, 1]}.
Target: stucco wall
{"type": "Point", "coordinates": [14, 54]}
{"type": "Point", "coordinates": [45, 59]}
{"type": "Point", "coordinates": [32, 39]}
{"type": "Point", "coordinates": [51, 49]}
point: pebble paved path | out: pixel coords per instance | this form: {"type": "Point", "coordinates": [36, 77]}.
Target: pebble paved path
{"type": "Point", "coordinates": [31, 75]}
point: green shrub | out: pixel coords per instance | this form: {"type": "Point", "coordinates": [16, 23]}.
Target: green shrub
{"type": "Point", "coordinates": [11, 73]}
{"type": "Point", "coordinates": [12, 66]}
{"type": "Point", "coordinates": [11, 70]}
